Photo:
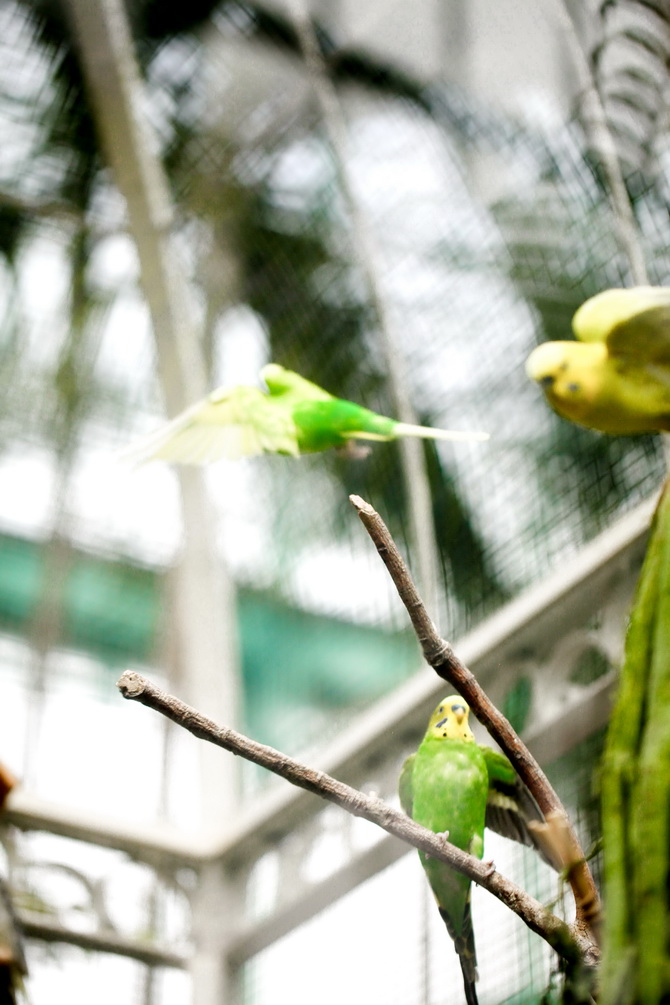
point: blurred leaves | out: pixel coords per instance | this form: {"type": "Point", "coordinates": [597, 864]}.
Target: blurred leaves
{"type": "Point", "coordinates": [630, 57]}
{"type": "Point", "coordinates": [12, 223]}
{"type": "Point", "coordinates": [287, 254]}
{"type": "Point", "coordinates": [561, 252]}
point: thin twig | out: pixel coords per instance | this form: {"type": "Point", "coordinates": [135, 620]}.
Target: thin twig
{"type": "Point", "coordinates": [442, 658]}
{"type": "Point", "coordinates": [48, 208]}
{"type": "Point", "coordinates": [568, 943]}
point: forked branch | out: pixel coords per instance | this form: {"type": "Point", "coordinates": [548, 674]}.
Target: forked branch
{"type": "Point", "coordinates": [558, 832]}
{"type": "Point", "coordinates": [568, 943]}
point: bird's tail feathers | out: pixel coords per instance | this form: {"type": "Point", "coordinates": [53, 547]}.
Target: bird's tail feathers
{"type": "Point", "coordinates": [464, 944]}
{"type": "Point", "coordinates": [428, 433]}
{"type": "Point", "coordinates": [469, 987]}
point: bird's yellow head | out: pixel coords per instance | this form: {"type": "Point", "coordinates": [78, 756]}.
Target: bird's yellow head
{"type": "Point", "coordinates": [449, 721]}
{"type": "Point", "coordinates": [547, 361]}
{"type": "Point", "coordinates": [570, 374]}
{"type": "Point", "coordinates": [276, 377]}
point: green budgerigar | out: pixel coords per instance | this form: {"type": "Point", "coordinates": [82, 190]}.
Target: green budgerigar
{"type": "Point", "coordinates": [456, 787]}
{"type": "Point", "coordinates": [294, 417]}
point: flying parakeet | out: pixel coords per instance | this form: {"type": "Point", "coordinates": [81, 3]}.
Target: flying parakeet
{"type": "Point", "coordinates": [616, 378]}
{"type": "Point", "coordinates": [456, 787]}
{"type": "Point", "coordinates": [295, 417]}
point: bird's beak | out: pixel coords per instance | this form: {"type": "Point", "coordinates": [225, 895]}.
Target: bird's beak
{"type": "Point", "coordinates": [459, 713]}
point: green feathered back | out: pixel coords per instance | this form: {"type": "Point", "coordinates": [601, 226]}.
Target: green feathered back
{"type": "Point", "coordinates": [325, 424]}
{"type": "Point", "coordinates": [450, 784]}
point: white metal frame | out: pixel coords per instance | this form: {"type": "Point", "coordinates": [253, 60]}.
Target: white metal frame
{"type": "Point", "coordinates": [541, 635]}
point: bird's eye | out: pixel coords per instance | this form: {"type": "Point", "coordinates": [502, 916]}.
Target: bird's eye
{"type": "Point", "coordinates": [547, 381]}
{"type": "Point", "coordinates": [573, 388]}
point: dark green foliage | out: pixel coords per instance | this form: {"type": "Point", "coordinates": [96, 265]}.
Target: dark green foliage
{"type": "Point", "coordinates": [12, 223]}
{"type": "Point", "coordinates": [71, 379]}
{"type": "Point", "coordinates": [295, 264]}
{"type": "Point", "coordinates": [292, 278]}
{"type": "Point", "coordinates": [468, 571]}
{"type": "Point", "coordinates": [516, 705]}
{"type": "Point", "coordinates": [68, 130]}
{"type": "Point", "coordinates": [155, 19]}
{"type": "Point", "coordinates": [577, 469]}
{"type": "Point", "coordinates": [466, 562]}
{"type": "Point", "coordinates": [591, 665]}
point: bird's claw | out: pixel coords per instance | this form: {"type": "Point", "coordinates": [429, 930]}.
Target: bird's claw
{"type": "Point", "coordinates": [353, 451]}
{"type": "Point", "coordinates": [490, 868]}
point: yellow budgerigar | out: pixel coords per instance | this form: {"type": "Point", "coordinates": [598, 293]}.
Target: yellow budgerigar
{"type": "Point", "coordinates": [616, 378]}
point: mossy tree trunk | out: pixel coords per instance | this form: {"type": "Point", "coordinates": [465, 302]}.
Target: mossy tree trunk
{"type": "Point", "coordinates": [636, 793]}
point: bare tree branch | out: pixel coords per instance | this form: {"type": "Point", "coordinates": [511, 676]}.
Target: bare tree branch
{"type": "Point", "coordinates": [566, 941]}
{"type": "Point", "coordinates": [559, 832]}
{"type": "Point", "coordinates": [47, 208]}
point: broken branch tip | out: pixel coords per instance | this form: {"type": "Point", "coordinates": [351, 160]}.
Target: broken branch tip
{"type": "Point", "coordinates": [130, 684]}
{"type": "Point", "coordinates": [361, 505]}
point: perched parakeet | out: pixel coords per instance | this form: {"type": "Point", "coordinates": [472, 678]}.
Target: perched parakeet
{"type": "Point", "coordinates": [295, 417]}
{"type": "Point", "coordinates": [456, 787]}
{"type": "Point", "coordinates": [616, 378]}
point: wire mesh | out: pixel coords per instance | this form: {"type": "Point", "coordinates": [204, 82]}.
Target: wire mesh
{"type": "Point", "coordinates": [101, 976]}
{"type": "Point", "coordinates": [491, 224]}
{"type": "Point", "coordinates": [394, 944]}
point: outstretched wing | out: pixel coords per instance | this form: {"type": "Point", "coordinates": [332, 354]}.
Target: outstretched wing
{"type": "Point", "coordinates": [227, 423]}
{"type": "Point", "coordinates": [510, 806]}
{"type": "Point", "coordinates": [634, 323]}
{"type": "Point", "coordinates": [644, 340]}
